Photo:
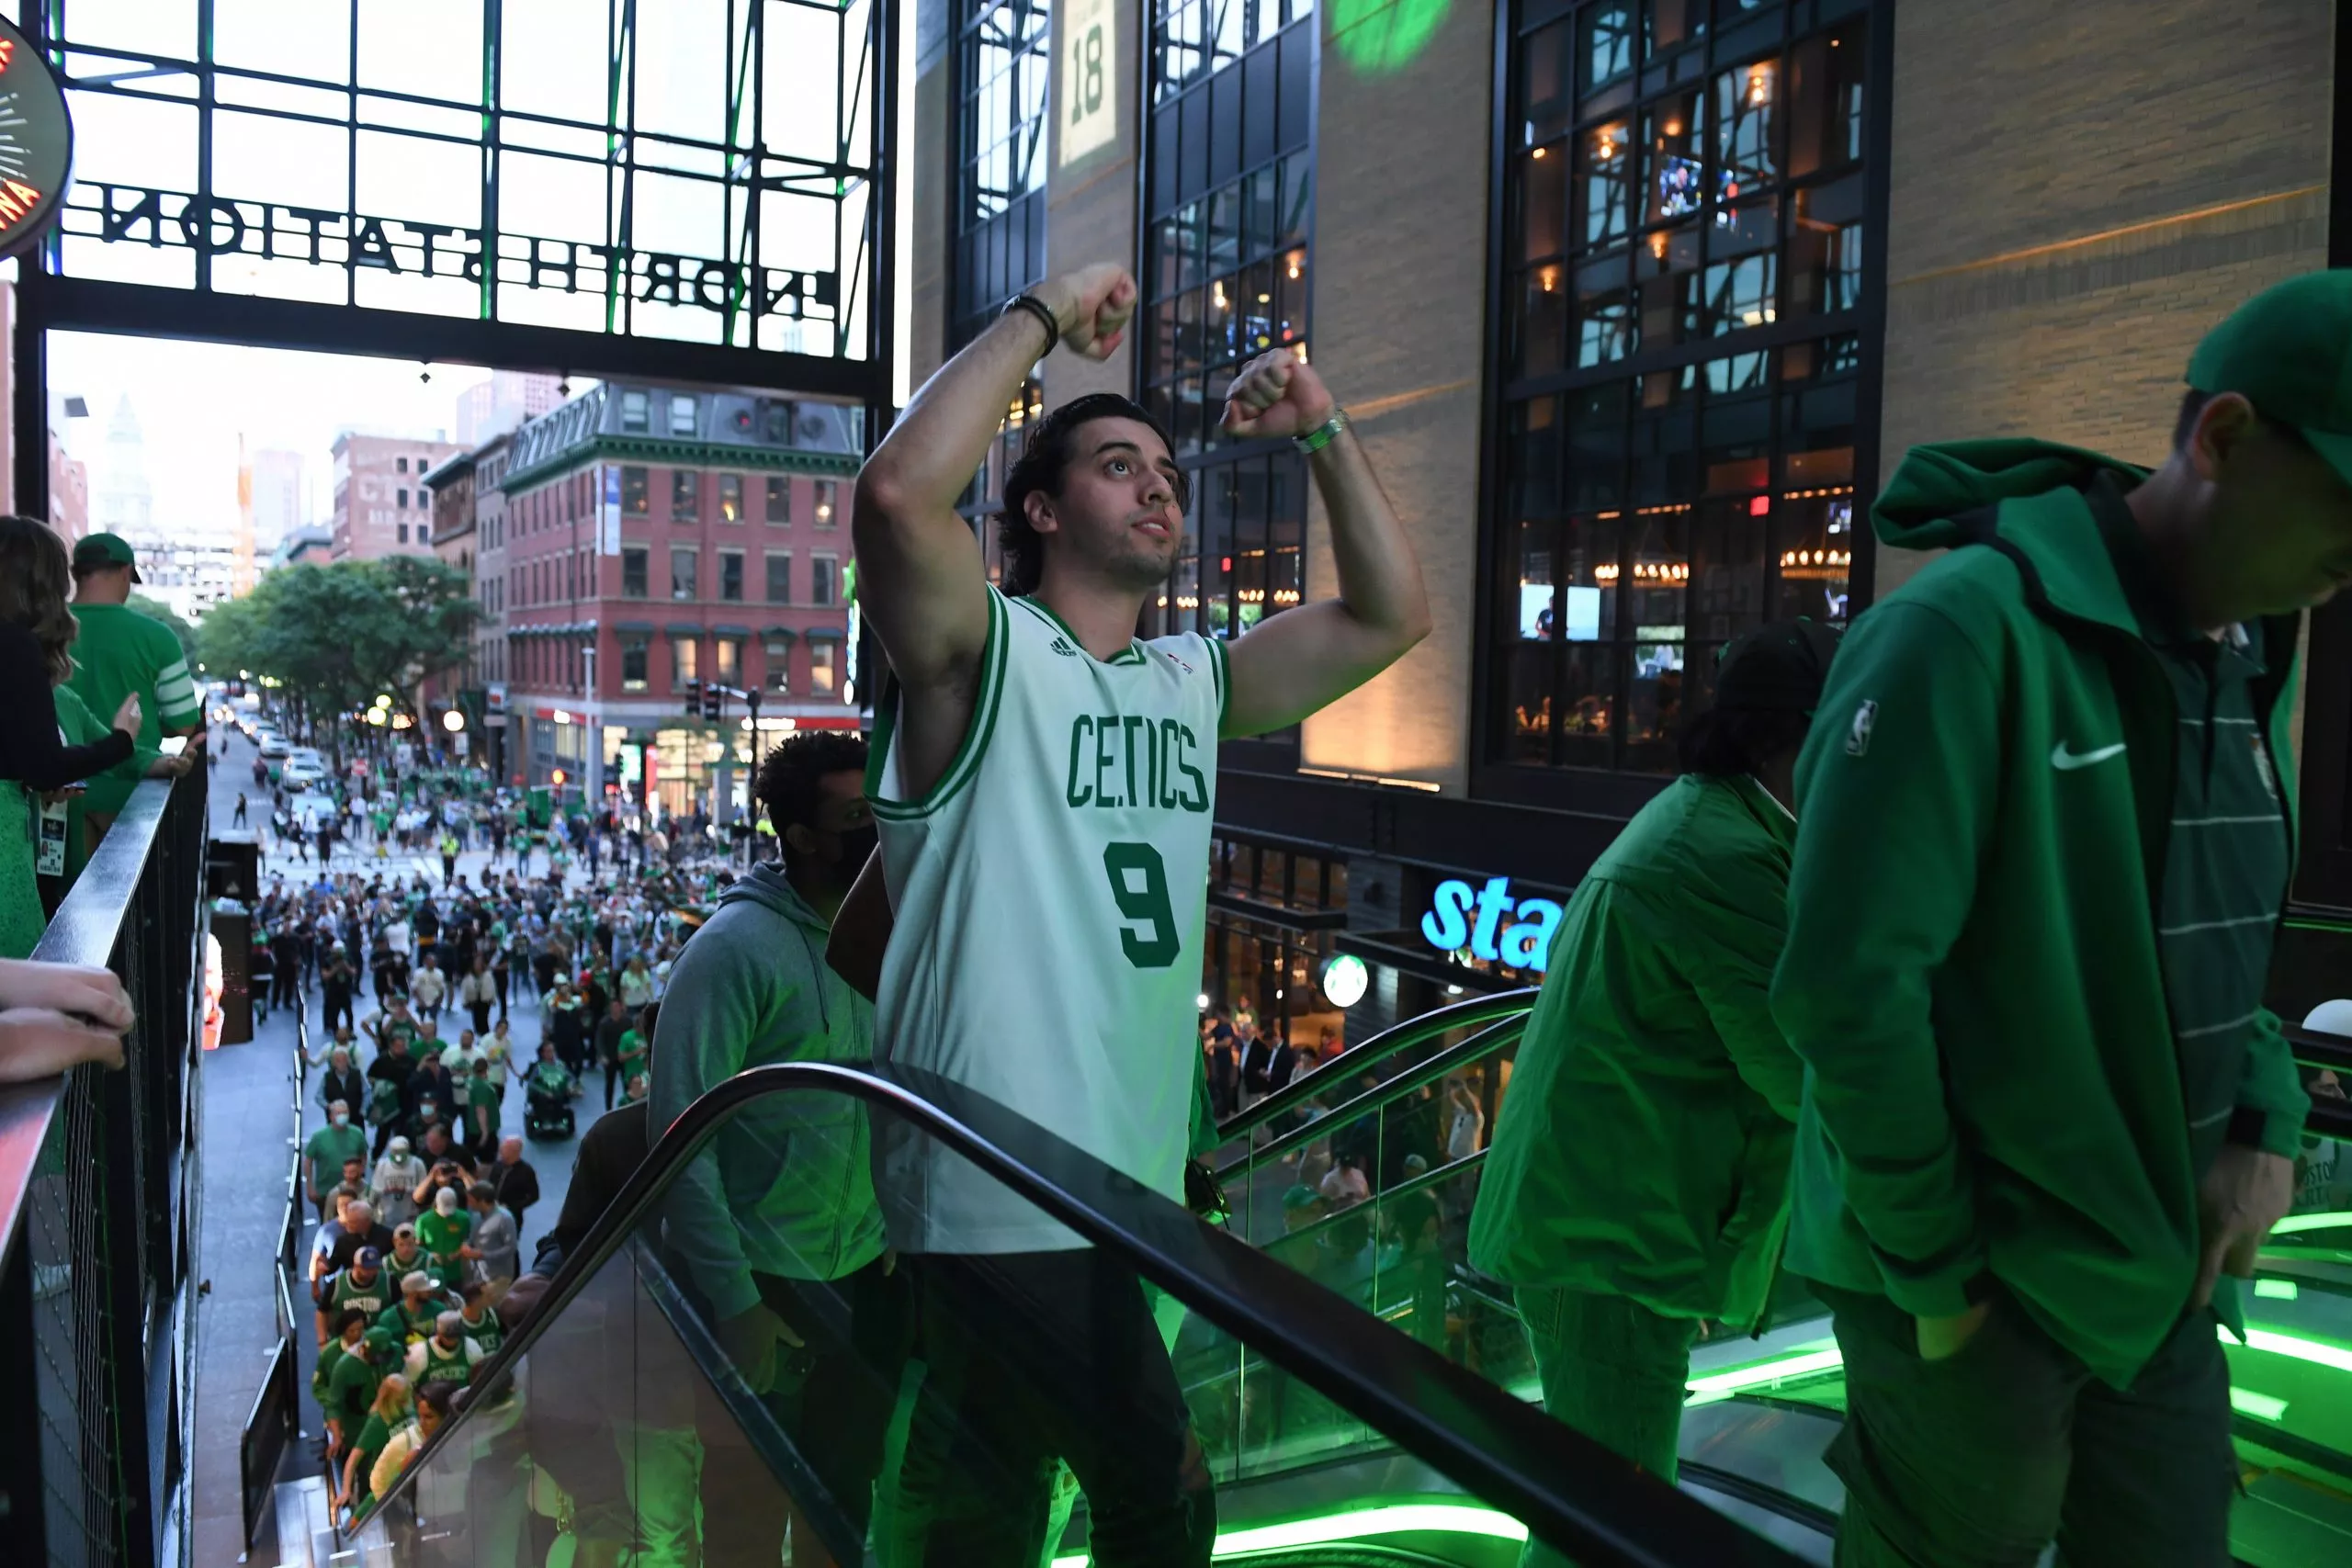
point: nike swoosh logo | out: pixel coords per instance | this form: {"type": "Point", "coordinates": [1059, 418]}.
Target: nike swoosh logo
{"type": "Point", "coordinates": [2062, 759]}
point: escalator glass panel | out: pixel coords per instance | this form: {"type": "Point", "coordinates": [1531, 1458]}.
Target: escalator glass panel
{"type": "Point", "coordinates": [828, 1332]}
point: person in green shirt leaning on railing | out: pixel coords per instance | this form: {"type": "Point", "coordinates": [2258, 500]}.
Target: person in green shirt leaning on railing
{"type": "Point", "coordinates": [1636, 1186]}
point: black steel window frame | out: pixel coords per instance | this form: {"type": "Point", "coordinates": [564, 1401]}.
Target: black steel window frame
{"type": "Point", "coordinates": [1743, 33]}
{"type": "Point", "coordinates": [1226, 233]}
{"type": "Point", "coordinates": [998, 243]}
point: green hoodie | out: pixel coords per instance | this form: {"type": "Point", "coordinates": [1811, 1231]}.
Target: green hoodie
{"type": "Point", "coordinates": [1971, 973]}
{"type": "Point", "coordinates": [786, 1186]}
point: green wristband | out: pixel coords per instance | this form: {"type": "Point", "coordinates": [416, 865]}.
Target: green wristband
{"type": "Point", "coordinates": [1323, 434]}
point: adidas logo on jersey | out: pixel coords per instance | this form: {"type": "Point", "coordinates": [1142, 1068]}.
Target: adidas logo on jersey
{"type": "Point", "coordinates": [1061, 645]}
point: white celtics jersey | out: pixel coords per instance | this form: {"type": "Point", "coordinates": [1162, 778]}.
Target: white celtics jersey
{"type": "Point", "coordinates": [1049, 892]}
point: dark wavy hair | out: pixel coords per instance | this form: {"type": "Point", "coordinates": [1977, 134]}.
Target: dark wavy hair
{"type": "Point", "coordinates": [1043, 462]}
{"type": "Point", "coordinates": [36, 578]}
{"type": "Point", "coordinates": [789, 785]}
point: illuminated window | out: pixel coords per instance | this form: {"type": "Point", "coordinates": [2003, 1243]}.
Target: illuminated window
{"type": "Point", "coordinates": [1229, 196]}
{"type": "Point", "coordinates": [685, 661]}
{"type": "Point", "coordinates": [685, 494]}
{"type": "Point", "coordinates": [727, 667]}
{"type": "Point", "coordinates": [731, 497]}
{"type": "Point", "coordinates": [1002, 67]}
{"type": "Point", "coordinates": [821, 669]}
{"type": "Point", "coordinates": [779, 499]}
{"type": "Point", "coordinates": [1682, 183]}
{"type": "Point", "coordinates": [635, 498]}
{"type": "Point", "coordinates": [828, 494]}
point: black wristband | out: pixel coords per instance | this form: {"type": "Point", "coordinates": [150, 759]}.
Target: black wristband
{"type": "Point", "coordinates": [1036, 306]}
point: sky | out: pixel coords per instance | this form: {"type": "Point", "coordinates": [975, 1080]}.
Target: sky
{"type": "Point", "coordinates": [194, 399]}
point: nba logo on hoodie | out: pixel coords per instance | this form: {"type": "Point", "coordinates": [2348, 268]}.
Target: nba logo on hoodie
{"type": "Point", "coordinates": [1858, 738]}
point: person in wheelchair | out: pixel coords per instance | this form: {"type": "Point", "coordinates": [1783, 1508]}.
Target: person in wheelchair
{"type": "Point", "coordinates": [549, 1090]}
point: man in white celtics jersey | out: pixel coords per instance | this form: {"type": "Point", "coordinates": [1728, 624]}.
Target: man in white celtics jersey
{"type": "Point", "coordinates": [1045, 786]}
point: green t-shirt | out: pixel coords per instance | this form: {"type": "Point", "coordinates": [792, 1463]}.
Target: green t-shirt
{"type": "Point", "coordinates": [120, 651]}
{"type": "Point", "coordinates": [351, 1388]}
{"type": "Point", "coordinates": [329, 1147]}
{"type": "Point", "coordinates": [80, 728]}
{"type": "Point", "coordinates": [483, 1094]}
{"type": "Point", "coordinates": [322, 1375]}
{"type": "Point", "coordinates": [373, 1434]}
{"type": "Point", "coordinates": [441, 1233]}
{"type": "Point", "coordinates": [632, 1053]}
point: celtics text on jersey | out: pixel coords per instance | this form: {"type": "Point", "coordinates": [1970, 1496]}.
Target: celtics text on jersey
{"type": "Point", "coordinates": [1049, 891]}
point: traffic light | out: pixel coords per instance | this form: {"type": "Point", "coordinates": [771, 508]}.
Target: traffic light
{"type": "Point", "coordinates": [714, 701]}
{"type": "Point", "coordinates": [694, 699]}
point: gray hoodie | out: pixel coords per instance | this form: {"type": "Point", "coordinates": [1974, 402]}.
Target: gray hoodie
{"type": "Point", "coordinates": [786, 1186]}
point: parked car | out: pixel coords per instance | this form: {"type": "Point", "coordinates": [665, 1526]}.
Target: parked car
{"type": "Point", "coordinates": [272, 746]}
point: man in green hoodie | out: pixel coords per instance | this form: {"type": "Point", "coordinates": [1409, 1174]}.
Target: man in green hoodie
{"type": "Point", "coordinates": [777, 1218]}
{"type": "Point", "coordinates": [2047, 826]}
{"type": "Point", "coordinates": [1638, 1177]}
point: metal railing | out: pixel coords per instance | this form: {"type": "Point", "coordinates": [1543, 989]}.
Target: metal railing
{"type": "Point", "coordinates": [276, 1419]}
{"type": "Point", "coordinates": [98, 1176]}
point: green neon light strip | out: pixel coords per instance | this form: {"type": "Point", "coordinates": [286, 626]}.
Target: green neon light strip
{"type": "Point", "coordinates": [2322, 1221]}
{"type": "Point", "coordinates": [1356, 1524]}
{"type": "Point", "coordinates": [1821, 1355]}
{"type": "Point", "coordinates": [2276, 1290]}
{"type": "Point", "coordinates": [2301, 1349]}
{"type": "Point", "coordinates": [2259, 1405]}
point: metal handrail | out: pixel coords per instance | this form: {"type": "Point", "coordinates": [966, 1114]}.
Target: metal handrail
{"type": "Point", "coordinates": [1388, 1042]}
{"type": "Point", "coordinates": [1567, 1489]}
{"type": "Point", "coordinates": [84, 932]}
{"type": "Point", "coordinates": [1484, 1043]}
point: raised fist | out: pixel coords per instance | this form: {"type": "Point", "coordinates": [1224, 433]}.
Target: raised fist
{"type": "Point", "coordinates": [1276, 394]}
{"type": "Point", "coordinates": [1093, 307]}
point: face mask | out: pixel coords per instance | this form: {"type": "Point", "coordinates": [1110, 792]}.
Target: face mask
{"type": "Point", "coordinates": [342, 1120]}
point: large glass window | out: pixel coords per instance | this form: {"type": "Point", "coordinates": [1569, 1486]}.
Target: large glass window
{"type": "Point", "coordinates": [1003, 57]}
{"type": "Point", "coordinates": [694, 173]}
{"type": "Point", "coordinates": [779, 577]}
{"type": "Point", "coordinates": [730, 576]}
{"type": "Point", "coordinates": [682, 572]}
{"type": "Point", "coordinates": [1685, 323]}
{"type": "Point", "coordinates": [822, 570]}
{"type": "Point", "coordinates": [779, 499]}
{"type": "Point", "coordinates": [632, 571]}
{"type": "Point", "coordinates": [1227, 265]}
{"type": "Point", "coordinates": [633, 662]}
{"type": "Point", "coordinates": [686, 495]}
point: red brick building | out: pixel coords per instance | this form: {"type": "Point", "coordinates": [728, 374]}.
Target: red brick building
{"type": "Point", "coordinates": [655, 536]}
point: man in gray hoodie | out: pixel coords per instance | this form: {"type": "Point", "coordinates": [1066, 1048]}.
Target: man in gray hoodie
{"type": "Point", "coordinates": [776, 1221]}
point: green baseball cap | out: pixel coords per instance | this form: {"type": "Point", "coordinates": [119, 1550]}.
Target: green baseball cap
{"type": "Point", "coordinates": [2288, 351]}
{"type": "Point", "coordinates": [106, 549]}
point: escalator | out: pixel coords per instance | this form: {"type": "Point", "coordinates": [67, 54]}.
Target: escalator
{"type": "Point", "coordinates": [611, 1429]}
{"type": "Point", "coordinates": [1761, 1410]}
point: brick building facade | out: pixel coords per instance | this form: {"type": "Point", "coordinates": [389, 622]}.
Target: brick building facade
{"type": "Point", "coordinates": [657, 536]}
{"type": "Point", "coordinates": [381, 505]}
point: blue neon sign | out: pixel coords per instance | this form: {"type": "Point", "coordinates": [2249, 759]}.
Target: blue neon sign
{"type": "Point", "coordinates": [1491, 924]}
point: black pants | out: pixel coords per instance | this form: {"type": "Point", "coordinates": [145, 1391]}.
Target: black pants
{"type": "Point", "coordinates": [284, 981]}
{"type": "Point", "coordinates": [834, 1395]}
{"type": "Point", "coordinates": [1035, 1358]}
{"type": "Point", "coordinates": [1979, 1459]}
{"type": "Point", "coordinates": [481, 1018]}
{"type": "Point", "coordinates": [502, 976]}
{"type": "Point", "coordinates": [338, 1005]}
